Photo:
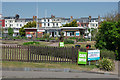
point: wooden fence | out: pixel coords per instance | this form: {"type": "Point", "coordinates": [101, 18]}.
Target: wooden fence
{"type": "Point", "coordinates": [39, 54]}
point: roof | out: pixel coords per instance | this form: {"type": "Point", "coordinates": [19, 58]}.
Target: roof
{"type": "Point", "coordinates": [30, 28]}
{"type": "Point", "coordinates": [72, 28]}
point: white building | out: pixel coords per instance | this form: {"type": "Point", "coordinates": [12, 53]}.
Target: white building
{"type": "Point", "coordinates": [16, 24]}
{"type": "Point", "coordinates": [51, 26]}
{"type": "Point", "coordinates": [93, 24]}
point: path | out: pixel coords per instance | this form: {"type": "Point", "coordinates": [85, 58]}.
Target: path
{"type": "Point", "coordinates": [39, 74]}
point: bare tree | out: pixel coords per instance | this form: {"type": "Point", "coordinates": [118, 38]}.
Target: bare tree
{"type": "Point", "coordinates": [112, 16]}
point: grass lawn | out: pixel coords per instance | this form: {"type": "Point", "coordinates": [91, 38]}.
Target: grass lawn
{"type": "Point", "coordinates": [22, 41]}
{"type": "Point", "coordinates": [15, 64]}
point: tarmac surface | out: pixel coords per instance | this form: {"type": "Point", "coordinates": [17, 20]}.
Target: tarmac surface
{"type": "Point", "coordinates": [42, 74]}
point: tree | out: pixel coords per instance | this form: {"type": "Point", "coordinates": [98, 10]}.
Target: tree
{"type": "Point", "coordinates": [71, 24]}
{"type": "Point", "coordinates": [10, 31]}
{"type": "Point", "coordinates": [108, 37]}
{"type": "Point", "coordinates": [28, 25]}
{"type": "Point", "coordinates": [93, 34]}
{"type": "Point", "coordinates": [112, 16]}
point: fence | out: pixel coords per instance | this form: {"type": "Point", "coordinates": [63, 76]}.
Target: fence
{"type": "Point", "coordinates": [39, 54]}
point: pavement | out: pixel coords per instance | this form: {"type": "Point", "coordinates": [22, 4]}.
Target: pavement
{"type": "Point", "coordinates": [52, 73]}
{"type": "Point", "coordinates": [39, 74]}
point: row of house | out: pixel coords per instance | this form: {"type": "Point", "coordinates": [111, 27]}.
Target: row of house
{"type": "Point", "coordinates": [51, 25]}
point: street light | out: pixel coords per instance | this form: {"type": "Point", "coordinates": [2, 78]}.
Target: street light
{"type": "Point", "coordinates": [90, 34]}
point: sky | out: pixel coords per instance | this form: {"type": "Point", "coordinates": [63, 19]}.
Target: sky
{"type": "Point", "coordinates": [59, 9]}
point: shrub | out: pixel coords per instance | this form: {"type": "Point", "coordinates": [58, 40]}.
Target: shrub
{"type": "Point", "coordinates": [30, 43]}
{"type": "Point", "coordinates": [42, 39]}
{"type": "Point", "coordinates": [23, 37]}
{"type": "Point", "coordinates": [46, 36]}
{"type": "Point", "coordinates": [56, 38]}
{"type": "Point", "coordinates": [80, 39]}
{"type": "Point", "coordinates": [72, 38]}
{"type": "Point", "coordinates": [106, 64]}
{"type": "Point", "coordinates": [107, 54]}
{"type": "Point", "coordinates": [68, 42]}
{"type": "Point", "coordinates": [52, 38]}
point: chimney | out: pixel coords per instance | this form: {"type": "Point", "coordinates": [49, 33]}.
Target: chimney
{"type": "Point", "coordinates": [89, 18]}
{"type": "Point", "coordinates": [98, 18]}
{"type": "Point", "coordinates": [52, 16]}
{"type": "Point", "coordinates": [71, 17]}
{"type": "Point", "coordinates": [34, 18]}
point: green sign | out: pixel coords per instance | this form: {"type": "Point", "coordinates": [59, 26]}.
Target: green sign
{"type": "Point", "coordinates": [61, 44]}
{"type": "Point", "coordinates": [82, 57]}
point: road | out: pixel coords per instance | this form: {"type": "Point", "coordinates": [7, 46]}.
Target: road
{"type": "Point", "coordinates": [39, 74]}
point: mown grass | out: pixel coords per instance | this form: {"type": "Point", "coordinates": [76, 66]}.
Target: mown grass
{"type": "Point", "coordinates": [13, 64]}
{"type": "Point", "coordinates": [23, 41]}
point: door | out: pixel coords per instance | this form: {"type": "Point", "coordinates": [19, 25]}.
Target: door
{"type": "Point", "coordinates": [52, 34]}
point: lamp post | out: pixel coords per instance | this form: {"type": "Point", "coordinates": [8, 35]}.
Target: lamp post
{"type": "Point", "coordinates": [90, 34]}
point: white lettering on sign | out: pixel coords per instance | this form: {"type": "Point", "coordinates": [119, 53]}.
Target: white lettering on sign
{"type": "Point", "coordinates": [82, 59]}
{"type": "Point", "coordinates": [82, 55]}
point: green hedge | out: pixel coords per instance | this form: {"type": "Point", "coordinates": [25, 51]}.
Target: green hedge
{"type": "Point", "coordinates": [72, 38]}
{"type": "Point", "coordinates": [68, 42]}
{"type": "Point", "coordinates": [107, 54]}
{"type": "Point", "coordinates": [30, 43]}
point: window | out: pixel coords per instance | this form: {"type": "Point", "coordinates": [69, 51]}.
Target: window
{"type": "Point", "coordinates": [6, 21]}
{"type": "Point", "coordinates": [44, 24]}
{"type": "Point", "coordinates": [17, 24]}
{"type": "Point", "coordinates": [55, 33]}
{"type": "Point", "coordinates": [96, 25]}
{"type": "Point", "coordinates": [70, 33]}
{"type": "Point", "coordinates": [82, 25]}
{"type": "Point", "coordinates": [48, 24]}
{"type": "Point", "coordinates": [59, 32]}
{"type": "Point", "coordinates": [57, 24]}
{"type": "Point", "coordinates": [93, 24]}
{"type": "Point", "coordinates": [6, 25]}
{"type": "Point", "coordinates": [48, 20]}
{"type": "Point", "coordinates": [20, 24]}
{"type": "Point", "coordinates": [53, 24]}
{"type": "Point", "coordinates": [85, 24]}
{"type": "Point", "coordinates": [44, 20]}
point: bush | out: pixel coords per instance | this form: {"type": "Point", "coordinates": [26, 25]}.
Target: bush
{"type": "Point", "coordinates": [46, 36]}
{"type": "Point", "coordinates": [23, 37]}
{"type": "Point", "coordinates": [107, 54]}
{"type": "Point", "coordinates": [42, 39]}
{"type": "Point", "coordinates": [30, 43]}
{"type": "Point", "coordinates": [56, 38]}
{"type": "Point", "coordinates": [81, 40]}
{"type": "Point", "coordinates": [106, 64]}
{"type": "Point", "coordinates": [68, 42]}
{"type": "Point", "coordinates": [72, 38]}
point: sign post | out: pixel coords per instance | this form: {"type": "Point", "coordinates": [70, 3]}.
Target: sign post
{"type": "Point", "coordinates": [82, 58]}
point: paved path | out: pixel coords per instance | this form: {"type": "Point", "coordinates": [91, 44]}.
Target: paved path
{"type": "Point", "coordinates": [38, 74]}
{"type": "Point", "coordinates": [56, 44]}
